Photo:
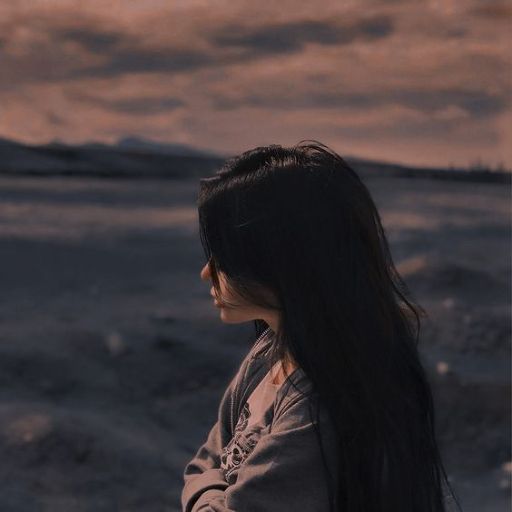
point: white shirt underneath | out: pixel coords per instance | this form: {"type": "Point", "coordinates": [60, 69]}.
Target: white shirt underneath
{"type": "Point", "coordinates": [254, 418]}
{"type": "Point", "coordinates": [263, 395]}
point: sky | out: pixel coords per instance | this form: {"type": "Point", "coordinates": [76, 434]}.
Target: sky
{"type": "Point", "coordinates": [418, 82]}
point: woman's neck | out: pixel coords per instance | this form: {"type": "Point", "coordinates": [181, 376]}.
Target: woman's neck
{"type": "Point", "coordinates": [280, 376]}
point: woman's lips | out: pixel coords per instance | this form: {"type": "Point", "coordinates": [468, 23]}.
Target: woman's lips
{"type": "Point", "coordinates": [215, 301]}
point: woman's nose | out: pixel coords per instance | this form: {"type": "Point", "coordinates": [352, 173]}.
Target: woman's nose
{"type": "Point", "coordinates": [205, 272]}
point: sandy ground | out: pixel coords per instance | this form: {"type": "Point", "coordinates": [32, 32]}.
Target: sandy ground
{"type": "Point", "coordinates": [113, 358]}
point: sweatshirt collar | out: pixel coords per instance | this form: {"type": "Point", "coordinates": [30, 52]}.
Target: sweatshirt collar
{"type": "Point", "coordinates": [296, 378]}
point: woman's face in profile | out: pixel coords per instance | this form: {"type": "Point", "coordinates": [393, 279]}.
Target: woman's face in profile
{"type": "Point", "coordinates": [236, 310]}
{"type": "Point", "coordinates": [224, 293]}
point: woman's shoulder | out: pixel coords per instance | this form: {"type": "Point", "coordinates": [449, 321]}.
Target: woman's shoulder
{"type": "Point", "coordinates": [300, 416]}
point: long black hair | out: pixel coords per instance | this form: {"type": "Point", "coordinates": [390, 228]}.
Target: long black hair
{"type": "Point", "coordinates": [300, 223]}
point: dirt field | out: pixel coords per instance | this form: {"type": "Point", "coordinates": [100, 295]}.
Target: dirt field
{"type": "Point", "coordinates": [113, 358]}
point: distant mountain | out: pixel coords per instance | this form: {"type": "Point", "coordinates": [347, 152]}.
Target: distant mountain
{"type": "Point", "coordinates": [98, 159]}
{"type": "Point", "coordinates": [167, 148]}
{"type": "Point", "coordinates": [138, 158]}
{"type": "Point", "coordinates": [8, 143]}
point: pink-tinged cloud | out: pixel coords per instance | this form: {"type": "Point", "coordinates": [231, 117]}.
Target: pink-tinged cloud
{"type": "Point", "coordinates": [425, 83]}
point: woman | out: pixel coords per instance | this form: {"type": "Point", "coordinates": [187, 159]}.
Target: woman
{"type": "Point", "coordinates": [331, 409]}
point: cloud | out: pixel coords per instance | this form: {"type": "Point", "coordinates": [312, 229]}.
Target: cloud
{"type": "Point", "coordinates": [477, 103]}
{"type": "Point", "coordinates": [142, 60]}
{"type": "Point", "coordinates": [47, 48]}
{"type": "Point", "coordinates": [496, 11]}
{"type": "Point", "coordinates": [92, 39]}
{"type": "Point", "coordinates": [91, 48]}
{"type": "Point", "coordinates": [291, 37]}
{"type": "Point", "coordinates": [55, 120]}
{"type": "Point", "coordinates": [140, 106]}
{"type": "Point", "coordinates": [126, 52]}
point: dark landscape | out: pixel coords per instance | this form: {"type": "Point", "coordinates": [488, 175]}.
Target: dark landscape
{"type": "Point", "coordinates": [113, 358]}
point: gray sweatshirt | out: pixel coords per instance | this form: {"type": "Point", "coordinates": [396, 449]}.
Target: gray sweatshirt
{"type": "Point", "coordinates": [282, 469]}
